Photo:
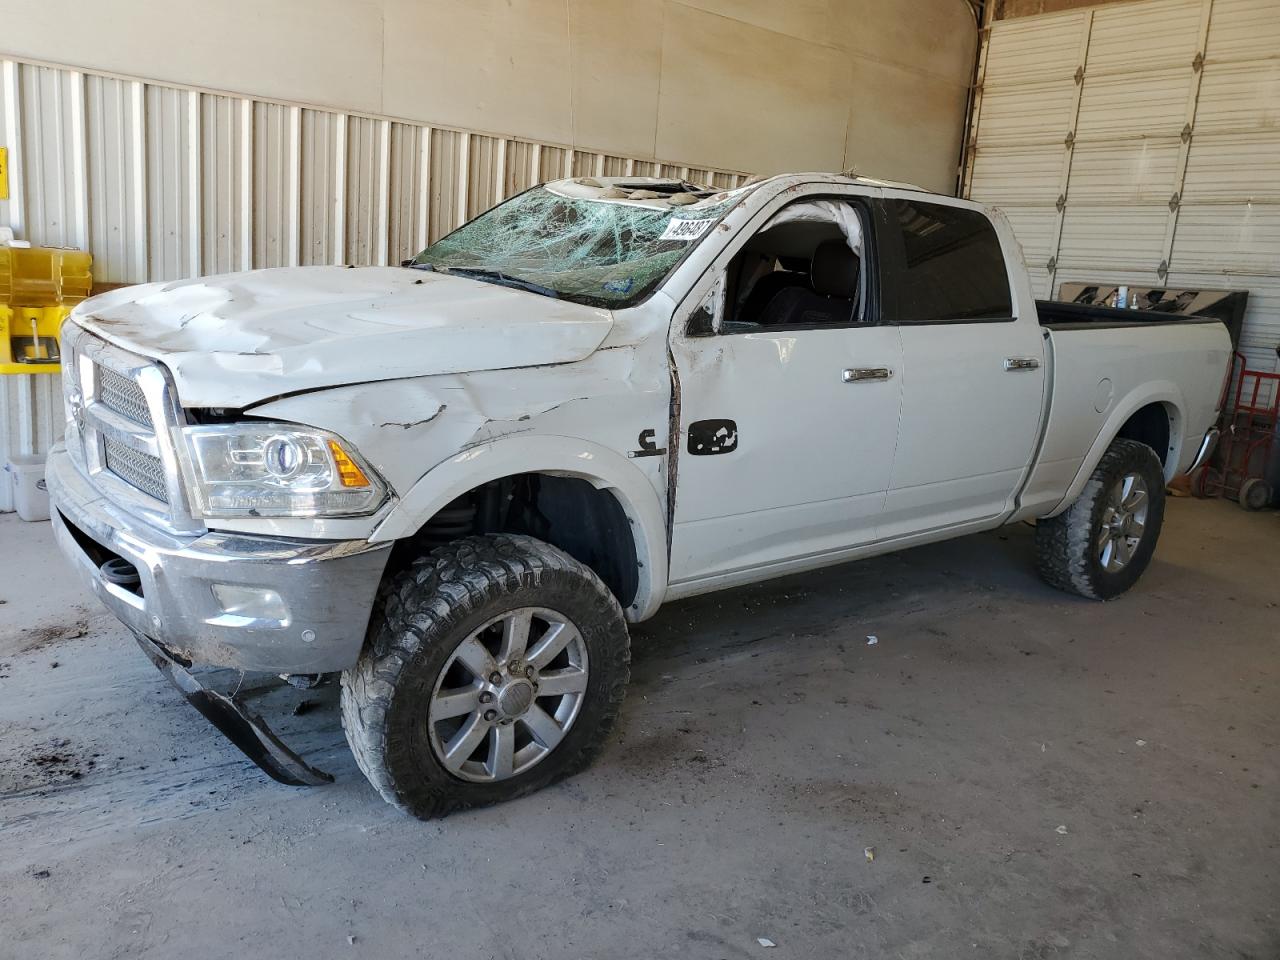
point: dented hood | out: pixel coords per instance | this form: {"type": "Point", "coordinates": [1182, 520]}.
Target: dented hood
{"type": "Point", "coordinates": [237, 339]}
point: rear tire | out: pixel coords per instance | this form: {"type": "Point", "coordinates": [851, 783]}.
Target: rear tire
{"type": "Point", "coordinates": [1100, 545]}
{"type": "Point", "coordinates": [444, 710]}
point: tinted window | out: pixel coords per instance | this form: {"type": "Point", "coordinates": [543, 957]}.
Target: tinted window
{"type": "Point", "coordinates": [954, 269]}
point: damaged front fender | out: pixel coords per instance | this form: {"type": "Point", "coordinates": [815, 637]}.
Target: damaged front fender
{"type": "Point", "coordinates": [561, 456]}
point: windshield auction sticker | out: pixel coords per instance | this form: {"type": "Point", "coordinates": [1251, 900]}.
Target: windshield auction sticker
{"type": "Point", "coordinates": [685, 229]}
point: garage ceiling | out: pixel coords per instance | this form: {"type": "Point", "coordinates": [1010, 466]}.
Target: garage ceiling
{"type": "Point", "coordinates": [1140, 143]}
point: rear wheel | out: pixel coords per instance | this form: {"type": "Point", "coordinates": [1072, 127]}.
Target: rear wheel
{"type": "Point", "coordinates": [496, 665]}
{"type": "Point", "coordinates": [1100, 545]}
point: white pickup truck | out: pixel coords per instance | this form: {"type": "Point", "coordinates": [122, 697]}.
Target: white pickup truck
{"type": "Point", "coordinates": [456, 481]}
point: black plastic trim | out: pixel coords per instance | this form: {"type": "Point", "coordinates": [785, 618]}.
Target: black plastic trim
{"type": "Point", "coordinates": [1166, 321]}
{"type": "Point", "coordinates": [236, 722]}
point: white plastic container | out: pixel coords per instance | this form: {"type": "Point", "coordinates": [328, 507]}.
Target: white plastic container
{"type": "Point", "coordinates": [30, 496]}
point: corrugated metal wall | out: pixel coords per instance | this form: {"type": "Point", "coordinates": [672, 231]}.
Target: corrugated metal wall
{"type": "Point", "coordinates": [1140, 143]}
{"type": "Point", "coordinates": [161, 182]}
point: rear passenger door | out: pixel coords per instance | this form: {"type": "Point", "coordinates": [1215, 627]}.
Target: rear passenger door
{"type": "Point", "coordinates": [973, 373]}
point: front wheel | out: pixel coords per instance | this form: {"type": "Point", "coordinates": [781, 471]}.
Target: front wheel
{"type": "Point", "coordinates": [495, 666]}
{"type": "Point", "coordinates": [1100, 545]}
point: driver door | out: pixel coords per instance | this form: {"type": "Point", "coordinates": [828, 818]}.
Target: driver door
{"type": "Point", "coordinates": [787, 432]}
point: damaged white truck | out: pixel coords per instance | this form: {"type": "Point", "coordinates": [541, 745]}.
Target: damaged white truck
{"type": "Point", "coordinates": [456, 481]}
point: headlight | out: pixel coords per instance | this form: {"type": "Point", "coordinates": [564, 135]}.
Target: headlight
{"type": "Point", "coordinates": [276, 470]}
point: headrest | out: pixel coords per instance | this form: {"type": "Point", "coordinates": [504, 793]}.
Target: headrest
{"type": "Point", "coordinates": [834, 272]}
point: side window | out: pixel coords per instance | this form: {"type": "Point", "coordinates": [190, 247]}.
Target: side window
{"type": "Point", "coordinates": [804, 269]}
{"type": "Point", "coordinates": [953, 268]}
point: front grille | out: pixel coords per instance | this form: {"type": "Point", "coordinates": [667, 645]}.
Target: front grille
{"type": "Point", "coordinates": [123, 395]}
{"type": "Point", "coordinates": [138, 469]}
{"type": "Point", "coordinates": [122, 412]}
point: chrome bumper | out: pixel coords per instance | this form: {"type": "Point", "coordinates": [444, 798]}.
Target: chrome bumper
{"type": "Point", "coordinates": [315, 623]}
{"type": "Point", "coordinates": [1207, 446]}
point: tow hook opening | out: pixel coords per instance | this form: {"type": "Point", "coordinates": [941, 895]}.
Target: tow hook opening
{"type": "Point", "coordinates": [112, 567]}
{"type": "Point", "coordinates": [122, 573]}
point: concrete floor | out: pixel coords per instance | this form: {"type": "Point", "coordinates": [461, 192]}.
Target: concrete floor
{"type": "Point", "coordinates": [1039, 776]}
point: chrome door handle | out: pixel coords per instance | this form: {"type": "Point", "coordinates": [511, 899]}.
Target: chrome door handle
{"type": "Point", "coordinates": [864, 374]}
{"type": "Point", "coordinates": [1021, 363]}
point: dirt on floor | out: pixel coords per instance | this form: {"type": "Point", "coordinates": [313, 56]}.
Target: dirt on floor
{"type": "Point", "coordinates": [1004, 771]}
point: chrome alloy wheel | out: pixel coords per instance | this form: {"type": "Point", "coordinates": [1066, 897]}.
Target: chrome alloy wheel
{"type": "Point", "coordinates": [508, 695]}
{"type": "Point", "coordinates": [1124, 520]}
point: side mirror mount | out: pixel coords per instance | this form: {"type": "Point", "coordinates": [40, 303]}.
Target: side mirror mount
{"type": "Point", "coordinates": [705, 321]}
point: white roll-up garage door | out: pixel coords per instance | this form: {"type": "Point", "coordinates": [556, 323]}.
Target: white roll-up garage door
{"type": "Point", "coordinates": [1140, 143]}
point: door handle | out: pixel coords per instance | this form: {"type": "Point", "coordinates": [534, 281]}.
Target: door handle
{"type": "Point", "coordinates": [865, 374]}
{"type": "Point", "coordinates": [1021, 363]}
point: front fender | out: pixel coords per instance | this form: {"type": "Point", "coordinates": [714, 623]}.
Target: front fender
{"type": "Point", "coordinates": [603, 468]}
{"type": "Point", "coordinates": [1164, 392]}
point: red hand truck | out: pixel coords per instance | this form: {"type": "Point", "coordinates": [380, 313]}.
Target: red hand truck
{"type": "Point", "coordinates": [1248, 428]}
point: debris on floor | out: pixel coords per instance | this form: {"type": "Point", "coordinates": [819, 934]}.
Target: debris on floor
{"type": "Point", "coordinates": [48, 635]}
{"type": "Point", "coordinates": [1061, 828]}
{"type": "Point", "coordinates": [869, 853]}
{"type": "Point", "coordinates": [765, 942]}
{"type": "Point", "coordinates": [45, 764]}
{"type": "Point", "coordinates": [872, 640]}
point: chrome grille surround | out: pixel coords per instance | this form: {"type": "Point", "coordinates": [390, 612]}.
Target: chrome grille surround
{"type": "Point", "coordinates": [122, 413]}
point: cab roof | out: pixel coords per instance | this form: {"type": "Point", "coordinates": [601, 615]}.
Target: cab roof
{"type": "Point", "coordinates": [667, 192]}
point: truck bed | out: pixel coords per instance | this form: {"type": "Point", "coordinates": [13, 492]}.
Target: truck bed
{"type": "Point", "coordinates": [1107, 362]}
{"type": "Point", "coordinates": [1060, 315]}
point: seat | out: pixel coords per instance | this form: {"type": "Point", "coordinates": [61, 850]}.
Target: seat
{"type": "Point", "coordinates": [834, 275]}
{"type": "Point", "coordinates": [765, 289]}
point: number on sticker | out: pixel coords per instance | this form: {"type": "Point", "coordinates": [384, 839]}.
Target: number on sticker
{"type": "Point", "coordinates": [685, 229]}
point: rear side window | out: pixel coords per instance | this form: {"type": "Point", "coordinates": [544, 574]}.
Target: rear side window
{"type": "Point", "coordinates": [953, 268]}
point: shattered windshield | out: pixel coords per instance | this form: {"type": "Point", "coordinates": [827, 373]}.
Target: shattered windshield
{"type": "Point", "coordinates": [581, 240]}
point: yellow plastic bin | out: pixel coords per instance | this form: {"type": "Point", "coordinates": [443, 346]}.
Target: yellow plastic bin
{"type": "Point", "coordinates": [38, 287]}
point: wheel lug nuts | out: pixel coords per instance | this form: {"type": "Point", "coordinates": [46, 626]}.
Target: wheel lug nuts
{"type": "Point", "coordinates": [514, 668]}
{"type": "Point", "coordinates": [486, 697]}
{"type": "Point", "coordinates": [495, 677]}
{"type": "Point", "coordinates": [490, 714]}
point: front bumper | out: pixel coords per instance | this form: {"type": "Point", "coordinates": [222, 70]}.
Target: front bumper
{"type": "Point", "coordinates": [315, 624]}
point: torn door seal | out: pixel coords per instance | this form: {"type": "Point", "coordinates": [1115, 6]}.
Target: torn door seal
{"type": "Point", "coordinates": [237, 722]}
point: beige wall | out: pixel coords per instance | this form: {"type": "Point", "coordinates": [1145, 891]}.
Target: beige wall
{"type": "Point", "coordinates": [756, 85]}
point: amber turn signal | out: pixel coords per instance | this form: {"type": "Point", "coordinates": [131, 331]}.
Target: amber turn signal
{"type": "Point", "coordinates": [348, 471]}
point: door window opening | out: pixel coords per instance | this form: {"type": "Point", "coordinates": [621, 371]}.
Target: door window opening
{"type": "Point", "coordinates": [803, 269]}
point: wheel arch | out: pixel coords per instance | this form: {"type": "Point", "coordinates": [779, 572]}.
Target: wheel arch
{"type": "Point", "coordinates": [1137, 416]}
{"type": "Point", "coordinates": [553, 456]}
